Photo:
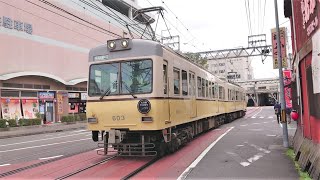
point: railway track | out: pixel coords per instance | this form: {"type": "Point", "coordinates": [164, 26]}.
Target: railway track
{"type": "Point", "coordinates": [18, 170]}
{"type": "Point", "coordinates": [84, 169]}
{"type": "Point", "coordinates": [126, 177]}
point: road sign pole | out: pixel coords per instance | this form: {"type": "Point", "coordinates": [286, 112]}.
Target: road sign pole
{"type": "Point", "coordinates": [282, 100]}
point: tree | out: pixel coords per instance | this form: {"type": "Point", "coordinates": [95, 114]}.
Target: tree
{"type": "Point", "coordinates": [196, 58]}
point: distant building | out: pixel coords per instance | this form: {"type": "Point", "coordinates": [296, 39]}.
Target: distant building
{"type": "Point", "coordinates": [235, 69]}
{"type": "Point", "coordinates": [44, 52]}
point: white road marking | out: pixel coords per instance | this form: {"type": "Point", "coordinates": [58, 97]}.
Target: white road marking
{"type": "Point", "coordinates": [1, 165]}
{"type": "Point", "coordinates": [244, 125]}
{"type": "Point", "coordinates": [31, 147]}
{"type": "Point", "coordinates": [52, 157]}
{"type": "Point", "coordinates": [239, 159]}
{"type": "Point", "coordinates": [271, 135]}
{"type": "Point", "coordinates": [42, 139]}
{"type": "Point", "coordinates": [270, 117]}
{"type": "Point", "coordinates": [80, 130]}
{"type": "Point", "coordinates": [281, 125]}
{"type": "Point", "coordinates": [260, 148]}
{"type": "Point", "coordinates": [253, 117]}
{"type": "Point", "coordinates": [265, 122]}
{"type": "Point", "coordinates": [261, 117]}
{"type": "Point", "coordinates": [256, 157]}
{"type": "Point", "coordinates": [240, 145]}
{"type": "Point", "coordinates": [257, 113]}
{"type": "Point", "coordinates": [255, 123]}
{"type": "Point", "coordinates": [195, 162]}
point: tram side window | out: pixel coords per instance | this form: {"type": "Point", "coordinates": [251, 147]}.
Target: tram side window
{"type": "Point", "coordinates": [210, 90]}
{"type": "Point", "coordinates": [199, 86]}
{"type": "Point", "coordinates": [207, 88]}
{"type": "Point", "coordinates": [165, 79]}
{"type": "Point", "coordinates": [184, 83]}
{"type": "Point", "coordinates": [221, 92]}
{"type": "Point", "coordinates": [176, 81]}
{"type": "Point", "coordinates": [203, 88]}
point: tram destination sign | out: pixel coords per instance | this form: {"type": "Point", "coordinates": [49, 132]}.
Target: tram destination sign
{"type": "Point", "coordinates": [10, 23]}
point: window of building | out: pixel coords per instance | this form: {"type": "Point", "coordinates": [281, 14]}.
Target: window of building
{"type": "Point", "coordinates": [184, 83]}
{"type": "Point", "coordinates": [199, 86]}
{"type": "Point", "coordinates": [29, 94]}
{"type": "Point", "coordinates": [176, 81]}
{"type": "Point", "coordinates": [9, 93]}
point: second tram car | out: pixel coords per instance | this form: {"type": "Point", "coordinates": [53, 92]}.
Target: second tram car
{"type": "Point", "coordinates": [144, 99]}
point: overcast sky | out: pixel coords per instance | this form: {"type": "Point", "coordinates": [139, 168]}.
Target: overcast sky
{"type": "Point", "coordinates": [220, 24]}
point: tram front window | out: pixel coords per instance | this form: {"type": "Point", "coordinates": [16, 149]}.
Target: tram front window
{"type": "Point", "coordinates": [130, 77]}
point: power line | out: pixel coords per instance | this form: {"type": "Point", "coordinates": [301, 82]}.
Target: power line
{"type": "Point", "coordinates": [264, 13]}
{"type": "Point", "coordinates": [248, 21]}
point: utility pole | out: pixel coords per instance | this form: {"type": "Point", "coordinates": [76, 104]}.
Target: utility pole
{"type": "Point", "coordinates": [282, 100]}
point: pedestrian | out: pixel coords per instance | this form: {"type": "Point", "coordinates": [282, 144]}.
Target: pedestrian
{"type": "Point", "coordinates": [277, 110]}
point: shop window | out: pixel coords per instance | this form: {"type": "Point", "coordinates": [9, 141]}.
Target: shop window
{"type": "Point", "coordinates": [36, 86]}
{"type": "Point", "coordinates": [176, 81]}
{"type": "Point", "coordinates": [184, 83]}
{"type": "Point", "coordinates": [313, 99]}
{"type": "Point", "coordinates": [45, 87]}
{"type": "Point", "coordinates": [10, 93]}
{"type": "Point", "coordinates": [28, 86]}
{"type": "Point", "coordinates": [29, 94]}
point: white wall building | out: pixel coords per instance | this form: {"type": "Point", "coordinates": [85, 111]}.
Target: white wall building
{"type": "Point", "coordinates": [235, 69]}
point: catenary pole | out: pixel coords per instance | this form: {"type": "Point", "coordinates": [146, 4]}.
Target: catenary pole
{"type": "Point", "coordinates": [282, 100]}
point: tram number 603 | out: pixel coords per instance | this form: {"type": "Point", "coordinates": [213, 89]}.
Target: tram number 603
{"type": "Point", "coordinates": [118, 118]}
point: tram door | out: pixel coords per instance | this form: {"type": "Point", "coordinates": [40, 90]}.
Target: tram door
{"type": "Point", "coordinates": [166, 91]}
{"type": "Point", "coordinates": [192, 90]}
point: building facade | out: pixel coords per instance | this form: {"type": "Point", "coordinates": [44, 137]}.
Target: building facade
{"type": "Point", "coordinates": [235, 69]}
{"type": "Point", "coordinates": [44, 52]}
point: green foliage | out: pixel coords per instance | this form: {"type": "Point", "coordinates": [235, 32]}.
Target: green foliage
{"type": "Point", "coordinates": [196, 58]}
{"type": "Point", "coordinates": [303, 175]}
{"type": "Point", "coordinates": [12, 123]}
{"type": "Point", "coordinates": [3, 123]}
{"type": "Point", "coordinates": [83, 116]}
{"type": "Point", "coordinates": [38, 115]}
{"type": "Point", "coordinates": [30, 122]}
{"type": "Point", "coordinates": [68, 118]}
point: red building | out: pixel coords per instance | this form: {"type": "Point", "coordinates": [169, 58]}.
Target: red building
{"type": "Point", "coordinates": [304, 16]}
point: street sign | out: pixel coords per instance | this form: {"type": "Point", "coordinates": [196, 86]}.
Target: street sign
{"type": "Point", "coordinates": [283, 48]}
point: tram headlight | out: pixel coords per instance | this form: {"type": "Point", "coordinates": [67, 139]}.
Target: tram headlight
{"type": "Point", "coordinates": [111, 44]}
{"type": "Point", "coordinates": [124, 43]}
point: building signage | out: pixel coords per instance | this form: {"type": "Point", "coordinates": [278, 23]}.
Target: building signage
{"type": "Point", "coordinates": [74, 95]}
{"type": "Point", "coordinates": [283, 48]}
{"type": "Point", "coordinates": [287, 88]}
{"type": "Point", "coordinates": [60, 103]}
{"type": "Point", "coordinates": [46, 95]}
{"type": "Point", "coordinates": [9, 23]}
{"type": "Point", "coordinates": [316, 62]}
{"type": "Point", "coordinates": [309, 12]}
{"type": "Point", "coordinates": [84, 96]}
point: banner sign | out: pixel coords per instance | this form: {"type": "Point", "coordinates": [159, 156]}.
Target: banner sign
{"type": "Point", "coordinates": [46, 95]}
{"type": "Point", "coordinates": [283, 48]}
{"type": "Point", "coordinates": [287, 88]}
{"type": "Point", "coordinates": [316, 62]}
{"type": "Point", "coordinates": [60, 103]}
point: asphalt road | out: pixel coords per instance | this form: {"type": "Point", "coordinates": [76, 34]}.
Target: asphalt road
{"type": "Point", "coordinates": [44, 146]}
{"type": "Point", "coordinates": [253, 149]}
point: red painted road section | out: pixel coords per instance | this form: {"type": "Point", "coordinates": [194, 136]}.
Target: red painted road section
{"type": "Point", "coordinates": [114, 169]}
{"type": "Point", "coordinates": [17, 166]}
{"type": "Point", "coordinates": [59, 167]}
{"type": "Point", "coordinates": [171, 166]}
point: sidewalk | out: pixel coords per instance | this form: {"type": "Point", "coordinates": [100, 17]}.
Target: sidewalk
{"type": "Point", "coordinates": [252, 149]}
{"type": "Point", "coordinates": [40, 129]}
